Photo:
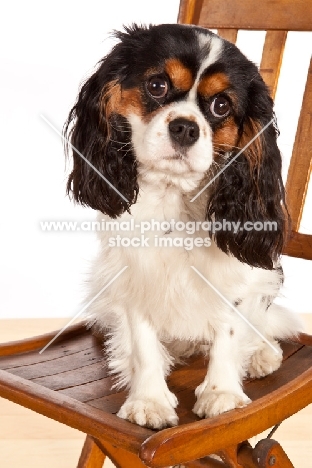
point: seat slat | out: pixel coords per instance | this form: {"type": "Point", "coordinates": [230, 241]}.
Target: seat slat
{"type": "Point", "coordinates": [73, 378]}
{"type": "Point", "coordinates": [301, 161]}
{"type": "Point", "coordinates": [50, 367]}
{"type": "Point", "coordinates": [38, 342]}
{"type": "Point", "coordinates": [110, 403]}
{"type": "Point", "coordinates": [272, 56]}
{"type": "Point", "coordinates": [90, 390]}
{"type": "Point", "coordinates": [54, 352]}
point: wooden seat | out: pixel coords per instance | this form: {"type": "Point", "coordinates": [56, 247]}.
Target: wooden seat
{"type": "Point", "coordinates": [69, 381]}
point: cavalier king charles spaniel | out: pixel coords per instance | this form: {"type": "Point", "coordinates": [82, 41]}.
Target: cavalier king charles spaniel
{"type": "Point", "coordinates": [174, 129]}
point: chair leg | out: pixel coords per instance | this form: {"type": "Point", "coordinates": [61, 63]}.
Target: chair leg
{"type": "Point", "coordinates": [238, 456]}
{"type": "Point", "coordinates": [268, 453]}
{"type": "Point", "coordinates": [91, 455]}
{"type": "Point", "coordinates": [120, 457]}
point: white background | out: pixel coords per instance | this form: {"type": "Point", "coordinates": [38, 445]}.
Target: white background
{"type": "Point", "coordinates": [47, 49]}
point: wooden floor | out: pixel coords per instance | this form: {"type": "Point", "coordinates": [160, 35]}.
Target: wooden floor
{"type": "Point", "coordinates": [29, 440]}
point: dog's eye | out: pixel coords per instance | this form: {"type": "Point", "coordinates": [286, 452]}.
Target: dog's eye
{"type": "Point", "coordinates": [157, 87]}
{"type": "Point", "coordinates": [220, 106]}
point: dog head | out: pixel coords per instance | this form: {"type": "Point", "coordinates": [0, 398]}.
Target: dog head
{"type": "Point", "coordinates": [178, 104]}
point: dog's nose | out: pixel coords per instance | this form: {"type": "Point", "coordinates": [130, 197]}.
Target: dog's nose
{"type": "Point", "coordinates": [183, 131]}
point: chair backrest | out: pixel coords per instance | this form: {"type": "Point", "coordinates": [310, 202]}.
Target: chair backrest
{"type": "Point", "coordinates": [276, 18]}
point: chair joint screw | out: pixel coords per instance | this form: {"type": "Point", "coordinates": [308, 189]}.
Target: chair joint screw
{"type": "Point", "coordinates": [272, 460]}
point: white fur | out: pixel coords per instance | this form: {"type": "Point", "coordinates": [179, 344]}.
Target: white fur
{"type": "Point", "coordinates": [159, 300]}
{"type": "Point", "coordinates": [155, 152]}
{"type": "Point", "coordinates": [159, 309]}
{"type": "Point", "coordinates": [214, 44]}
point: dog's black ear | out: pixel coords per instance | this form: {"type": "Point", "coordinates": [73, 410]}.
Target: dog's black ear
{"type": "Point", "coordinates": [104, 174]}
{"type": "Point", "coordinates": [250, 190]}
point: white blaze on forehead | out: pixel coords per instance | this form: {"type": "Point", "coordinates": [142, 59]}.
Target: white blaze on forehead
{"type": "Point", "coordinates": [213, 45]}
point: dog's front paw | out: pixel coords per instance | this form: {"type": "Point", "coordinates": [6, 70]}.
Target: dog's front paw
{"type": "Point", "coordinates": [212, 403]}
{"type": "Point", "coordinates": [148, 413]}
{"type": "Point", "coordinates": [265, 360]}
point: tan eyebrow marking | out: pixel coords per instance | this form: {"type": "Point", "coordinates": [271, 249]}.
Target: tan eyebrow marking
{"type": "Point", "coordinates": [213, 84]}
{"type": "Point", "coordinates": [180, 76]}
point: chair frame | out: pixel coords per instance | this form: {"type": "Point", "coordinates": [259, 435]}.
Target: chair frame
{"type": "Point", "coordinates": [129, 445]}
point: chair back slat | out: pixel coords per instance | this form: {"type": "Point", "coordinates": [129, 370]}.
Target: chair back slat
{"type": "Point", "coordinates": [189, 11]}
{"type": "Point", "coordinates": [228, 34]}
{"type": "Point", "coordinates": [249, 14]}
{"type": "Point", "coordinates": [301, 161]}
{"type": "Point", "coordinates": [272, 58]}
{"type": "Point", "coordinates": [299, 245]}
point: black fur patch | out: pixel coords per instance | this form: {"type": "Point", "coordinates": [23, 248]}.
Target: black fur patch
{"type": "Point", "coordinates": [238, 302]}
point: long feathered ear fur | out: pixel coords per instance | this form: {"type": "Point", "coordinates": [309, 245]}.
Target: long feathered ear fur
{"type": "Point", "coordinates": [103, 138]}
{"type": "Point", "coordinates": [251, 190]}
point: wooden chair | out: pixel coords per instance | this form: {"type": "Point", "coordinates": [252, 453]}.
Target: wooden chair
{"type": "Point", "coordinates": [70, 383]}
